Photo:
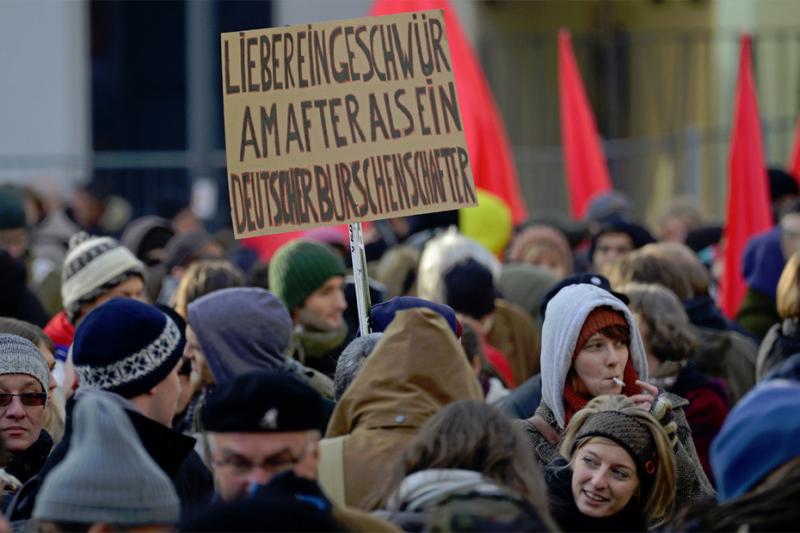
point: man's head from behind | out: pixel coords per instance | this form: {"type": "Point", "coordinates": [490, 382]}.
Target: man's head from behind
{"type": "Point", "coordinates": [259, 425]}
{"type": "Point", "coordinates": [132, 349]}
{"type": "Point", "coordinates": [309, 277]}
{"type": "Point", "coordinates": [107, 480]}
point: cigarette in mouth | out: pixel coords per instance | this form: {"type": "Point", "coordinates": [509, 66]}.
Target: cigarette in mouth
{"type": "Point", "coordinates": [618, 381]}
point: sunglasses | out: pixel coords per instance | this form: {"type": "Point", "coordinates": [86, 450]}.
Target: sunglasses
{"type": "Point", "coordinates": [28, 399]}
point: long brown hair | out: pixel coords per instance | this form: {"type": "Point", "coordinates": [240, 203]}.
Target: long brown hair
{"type": "Point", "coordinates": [471, 435]}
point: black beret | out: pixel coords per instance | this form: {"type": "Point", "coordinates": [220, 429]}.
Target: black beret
{"type": "Point", "coordinates": [262, 402]}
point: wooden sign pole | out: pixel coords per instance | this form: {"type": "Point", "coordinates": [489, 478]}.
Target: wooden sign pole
{"type": "Point", "coordinates": [360, 276]}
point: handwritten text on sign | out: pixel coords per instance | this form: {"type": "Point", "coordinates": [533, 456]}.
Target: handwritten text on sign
{"type": "Point", "coordinates": [340, 122]}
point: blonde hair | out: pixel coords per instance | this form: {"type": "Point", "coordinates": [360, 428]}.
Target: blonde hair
{"type": "Point", "coordinates": [788, 291]}
{"type": "Point", "coordinates": [646, 265]}
{"type": "Point", "coordinates": [660, 498]}
{"type": "Point", "coordinates": [203, 277]}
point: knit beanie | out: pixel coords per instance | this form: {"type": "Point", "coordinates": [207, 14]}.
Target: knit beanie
{"type": "Point", "coordinates": [599, 318]}
{"type": "Point", "coordinates": [20, 356]}
{"type": "Point", "coordinates": [106, 476]}
{"type": "Point", "coordinates": [12, 210]}
{"type": "Point", "coordinates": [300, 267]}
{"type": "Point", "coordinates": [760, 434]}
{"type": "Point", "coordinates": [93, 266]}
{"type": "Point", "coordinates": [469, 289]}
{"type": "Point", "coordinates": [627, 431]}
{"type": "Point", "coordinates": [126, 347]}
{"type": "Point", "coordinates": [381, 315]}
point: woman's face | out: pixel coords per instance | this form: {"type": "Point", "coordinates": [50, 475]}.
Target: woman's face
{"type": "Point", "coordinates": [604, 478]}
{"type": "Point", "coordinates": [600, 361]}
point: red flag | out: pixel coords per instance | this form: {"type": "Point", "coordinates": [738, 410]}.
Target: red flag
{"type": "Point", "coordinates": [587, 173]}
{"type": "Point", "coordinates": [749, 210]}
{"type": "Point", "coordinates": [487, 142]}
{"type": "Point", "coordinates": [794, 158]}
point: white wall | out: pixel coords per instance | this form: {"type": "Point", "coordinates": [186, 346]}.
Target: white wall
{"type": "Point", "coordinates": [44, 90]}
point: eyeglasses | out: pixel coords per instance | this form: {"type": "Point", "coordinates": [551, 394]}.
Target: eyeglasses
{"type": "Point", "coordinates": [28, 399]}
{"type": "Point", "coordinates": [279, 462]}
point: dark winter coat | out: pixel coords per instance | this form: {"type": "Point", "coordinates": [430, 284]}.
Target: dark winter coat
{"type": "Point", "coordinates": [708, 406]}
{"type": "Point", "coordinates": [26, 464]}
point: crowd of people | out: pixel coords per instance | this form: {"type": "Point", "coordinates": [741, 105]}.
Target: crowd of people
{"type": "Point", "coordinates": [560, 375]}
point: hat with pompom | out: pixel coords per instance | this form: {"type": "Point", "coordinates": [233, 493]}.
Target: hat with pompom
{"type": "Point", "coordinates": [93, 266]}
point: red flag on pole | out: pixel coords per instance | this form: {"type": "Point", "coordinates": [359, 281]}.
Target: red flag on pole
{"type": "Point", "coordinates": [487, 142]}
{"type": "Point", "coordinates": [749, 210]}
{"type": "Point", "coordinates": [794, 158]}
{"type": "Point", "coordinates": [587, 173]}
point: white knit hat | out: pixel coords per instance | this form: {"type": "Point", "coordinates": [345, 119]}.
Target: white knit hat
{"type": "Point", "coordinates": [93, 263]}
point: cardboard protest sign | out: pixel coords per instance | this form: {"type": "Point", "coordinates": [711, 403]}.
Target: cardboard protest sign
{"type": "Point", "coordinates": [341, 122]}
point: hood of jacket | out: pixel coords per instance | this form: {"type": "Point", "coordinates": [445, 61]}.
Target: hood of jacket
{"type": "Point", "coordinates": [417, 368]}
{"type": "Point", "coordinates": [240, 330]}
{"type": "Point", "coordinates": [566, 313]}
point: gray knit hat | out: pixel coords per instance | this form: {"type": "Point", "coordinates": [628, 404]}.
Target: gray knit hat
{"type": "Point", "coordinates": [20, 356]}
{"type": "Point", "coordinates": [106, 476]}
{"type": "Point", "coordinates": [627, 431]}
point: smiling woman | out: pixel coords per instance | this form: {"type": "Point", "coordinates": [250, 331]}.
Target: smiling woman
{"type": "Point", "coordinates": [619, 473]}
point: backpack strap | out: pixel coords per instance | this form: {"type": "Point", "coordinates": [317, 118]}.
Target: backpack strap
{"type": "Point", "coordinates": [330, 469]}
{"type": "Point", "coordinates": [545, 429]}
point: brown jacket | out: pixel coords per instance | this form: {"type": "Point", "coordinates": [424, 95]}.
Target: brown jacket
{"type": "Point", "coordinates": [513, 333]}
{"type": "Point", "coordinates": [417, 368]}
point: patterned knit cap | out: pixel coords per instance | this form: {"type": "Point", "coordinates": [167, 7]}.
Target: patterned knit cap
{"type": "Point", "coordinates": [299, 268]}
{"type": "Point", "coordinates": [126, 347]}
{"type": "Point", "coordinates": [92, 267]}
{"type": "Point", "coordinates": [20, 356]}
{"type": "Point", "coordinates": [628, 432]}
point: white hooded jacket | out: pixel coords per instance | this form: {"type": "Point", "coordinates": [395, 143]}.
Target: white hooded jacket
{"type": "Point", "coordinates": [564, 318]}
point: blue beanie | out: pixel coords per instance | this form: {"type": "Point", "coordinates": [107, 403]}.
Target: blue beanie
{"type": "Point", "coordinates": [126, 346]}
{"type": "Point", "coordinates": [382, 314]}
{"type": "Point", "coordinates": [760, 434]}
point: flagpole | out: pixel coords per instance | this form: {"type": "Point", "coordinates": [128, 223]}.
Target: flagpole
{"type": "Point", "coordinates": [360, 276]}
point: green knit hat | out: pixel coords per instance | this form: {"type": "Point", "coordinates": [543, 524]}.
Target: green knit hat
{"type": "Point", "coordinates": [12, 209]}
{"type": "Point", "coordinates": [299, 268]}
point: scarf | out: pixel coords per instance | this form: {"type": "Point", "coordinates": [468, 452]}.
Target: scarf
{"type": "Point", "coordinates": [574, 401]}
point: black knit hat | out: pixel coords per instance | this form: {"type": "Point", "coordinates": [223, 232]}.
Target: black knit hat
{"type": "Point", "coordinates": [262, 402]}
{"type": "Point", "coordinates": [639, 235]}
{"type": "Point", "coordinates": [126, 346]}
{"type": "Point", "coordinates": [469, 289]}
